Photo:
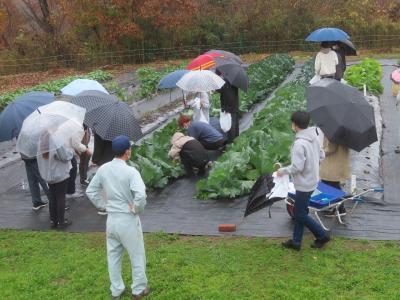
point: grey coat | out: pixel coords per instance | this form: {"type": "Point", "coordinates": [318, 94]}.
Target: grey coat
{"type": "Point", "coordinates": [306, 155]}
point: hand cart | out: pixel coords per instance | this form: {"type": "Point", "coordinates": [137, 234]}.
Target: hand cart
{"type": "Point", "coordinates": [326, 198]}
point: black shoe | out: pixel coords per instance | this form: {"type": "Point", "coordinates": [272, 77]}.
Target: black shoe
{"type": "Point", "coordinates": [319, 243]}
{"type": "Point", "coordinates": [53, 225]}
{"type": "Point", "coordinates": [64, 224]}
{"type": "Point", "coordinates": [290, 245]}
{"type": "Point", "coordinates": [85, 183]}
{"type": "Point", "coordinates": [39, 205]}
{"type": "Point", "coordinates": [67, 207]}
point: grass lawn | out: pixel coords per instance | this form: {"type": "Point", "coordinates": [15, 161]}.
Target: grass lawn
{"type": "Point", "coordinates": [56, 265]}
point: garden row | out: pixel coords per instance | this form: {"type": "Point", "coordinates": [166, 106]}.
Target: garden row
{"type": "Point", "coordinates": [53, 86]}
{"type": "Point", "coordinates": [255, 151]}
{"type": "Point", "coordinates": [264, 77]}
{"type": "Point", "coordinates": [268, 141]}
{"type": "Point", "coordinates": [151, 157]}
{"type": "Point", "coordinates": [368, 72]}
{"type": "Point", "coordinates": [150, 77]}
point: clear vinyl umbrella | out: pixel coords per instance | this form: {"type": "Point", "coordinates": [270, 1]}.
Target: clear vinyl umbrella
{"type": "Point", "coordinates": [200, 81]}
{"type": "Point", "coordinates": [50, 127]}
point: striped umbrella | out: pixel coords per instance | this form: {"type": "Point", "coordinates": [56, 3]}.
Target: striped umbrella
{"type": "Point", "coordinates": [200, 81]}
{"type": "Point", "coordinates": [203, 62]}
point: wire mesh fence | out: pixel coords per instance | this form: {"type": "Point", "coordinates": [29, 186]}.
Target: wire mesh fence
{"type": "Point", "coordinates": [84, 61]}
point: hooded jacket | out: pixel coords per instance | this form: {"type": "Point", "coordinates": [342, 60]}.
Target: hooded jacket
{"type": "Point", "coordinates": [177, 141]}
{"type": "Point", "coordinates": [306, 155]}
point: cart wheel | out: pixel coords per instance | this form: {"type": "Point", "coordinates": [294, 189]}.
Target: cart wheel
{"type": "Point", "coordinates": [290, 207]}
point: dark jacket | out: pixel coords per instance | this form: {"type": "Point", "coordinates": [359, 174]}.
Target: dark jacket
{"type": "Point", "coordinates": [341, 66]}
{"type": "Point", "coordinates": [194, 154]}
{"type": "Point", "coordinates": [229, 98]}
{"type": "Point", "coordinates": [102, 152]}
{"type": "Point", "coordinates": [204, 132]}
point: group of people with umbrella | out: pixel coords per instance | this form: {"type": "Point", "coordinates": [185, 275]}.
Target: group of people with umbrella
{"type": "Point", "coordinates": [215, 70]}
{"type": "Point", "coordinates": [344, 119]}
{"type": "Point", "coordinates": [53, 131]}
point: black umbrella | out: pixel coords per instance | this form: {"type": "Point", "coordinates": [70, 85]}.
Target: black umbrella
{"type": "Point", "coordinates": [227, 54]}
{"type": "Point", "coordinates": [92, 99]}
{"type": "Point", "coordinates": [343, 114]}
{"type": "Point", "coordinates": [348, 47]}
{"type": "Point", "coordinates": [258, 198]}
{"type": "Point", "coordinates": [233, 73]}
{"type": "Point", "coordinates": [108, 116]}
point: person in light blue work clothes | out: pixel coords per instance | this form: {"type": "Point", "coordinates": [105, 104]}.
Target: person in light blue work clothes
{"type": "Point", "coordinates": [126, 198]}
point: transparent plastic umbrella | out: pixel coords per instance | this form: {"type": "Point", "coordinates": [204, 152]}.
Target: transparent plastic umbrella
{"type": "Point", "coordinates": [50, 127]}
{"type": "Point", "coordinates": [200, 81]}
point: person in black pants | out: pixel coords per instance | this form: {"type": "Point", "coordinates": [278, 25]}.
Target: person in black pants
{"type": "Point", "coordinates": [71, 187]}
{"type": "Point", "coordinates": [191, 153]}
{"type": "Point", "coordinates": [34, 179]}
{"type": "Point", "coordinates": [54, 167]}
{"type": "Point", "coordinates": [229, 96]}
{"type": "Point", "coordinates": [57, 203]}
{"type": "Point", "coordinates": [102, 152]}
{"type": "Point", "coordinates": [84, 158]}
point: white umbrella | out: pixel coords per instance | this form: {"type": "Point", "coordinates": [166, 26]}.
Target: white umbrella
{"type": "Point", "coordinates": [80, 85]}
{"type": "Point", "coordinates": [50, 127]}
{"type": "Point", "coordinates": [200, 81]}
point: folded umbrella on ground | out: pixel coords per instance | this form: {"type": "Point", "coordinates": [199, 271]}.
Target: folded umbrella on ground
{"type": "Point", "coordinates": [342, 113]}
{"type": "Point", "coordinates": [14, 114]}
{"type": "Point", "coordinates": [259, 195]}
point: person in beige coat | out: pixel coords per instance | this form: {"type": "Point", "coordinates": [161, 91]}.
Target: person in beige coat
{"type": "Point", "coordinates": [190, 151]}
{"type": "Point", "coordinates": [335, 168]}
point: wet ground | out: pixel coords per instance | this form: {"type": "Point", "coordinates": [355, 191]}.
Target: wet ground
{"type": "Point", "coordinates": [174, 210]}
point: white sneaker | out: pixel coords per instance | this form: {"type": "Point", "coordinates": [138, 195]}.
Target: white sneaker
{"type": "Point", "coordinates": [102, 212]}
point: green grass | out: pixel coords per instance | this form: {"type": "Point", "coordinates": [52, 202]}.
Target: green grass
{"type": "Point", "coordinates": [56, 265]}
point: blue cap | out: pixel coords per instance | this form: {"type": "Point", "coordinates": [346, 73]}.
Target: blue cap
{"type": "Point", "coordinates": [120, 144]}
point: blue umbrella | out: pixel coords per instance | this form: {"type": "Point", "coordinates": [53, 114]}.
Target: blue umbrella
{"type": "Point", "coordinates": [327, 34]}
{"type": "Point", "coordinates": [169, 81]}
{"type": "Point", "coordinates": [14, 114]}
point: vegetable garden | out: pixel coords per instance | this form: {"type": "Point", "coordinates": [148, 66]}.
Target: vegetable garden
{"type": "Point", "coordinates": [255, 151]}
{"type": "Point", "coordinates": [151, 158]}
{"type": "Point", "coordinates": [368, 72]}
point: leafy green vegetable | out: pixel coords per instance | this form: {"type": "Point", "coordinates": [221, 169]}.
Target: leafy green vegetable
{"type": "Point", "coordinates": [152, 161]}
{"type": "Point", "coordinates": [368, 72]}
{"type": "Point", "coordinates": [264, 77]}
{"type": "Point", "coordinates": [255, 151]}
